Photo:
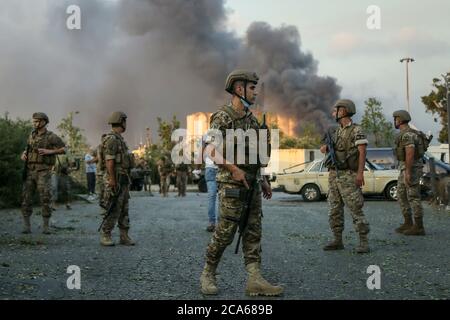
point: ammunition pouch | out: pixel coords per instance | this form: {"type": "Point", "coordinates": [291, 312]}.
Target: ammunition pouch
{"type": "Point", "coordinates": [236, 193]}
{"type": "Point", "coordinates": [347, 161]}
{"type": "Point", "coordinates": [36, 158]}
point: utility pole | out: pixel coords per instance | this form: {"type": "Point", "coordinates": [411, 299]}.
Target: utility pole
{"type": "Point", "coordinates": [447, 86]}
{"type": "Point", "coordinates": [408, 61]}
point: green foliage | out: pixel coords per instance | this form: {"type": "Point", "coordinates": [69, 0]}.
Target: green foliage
{"type": "Point", "coordinates": [14, 135]}
{"type": "Point", "coordinates": [309, 139]}
{"type": "Point", "coordinates": [165, 133]}
{"type": "Point", "coordinates": [77, 148]}
{"type": "Point", "coordinates": [73, 135]}
{"type": "Point", "coordinates": [154, 152]}
{"type": "Point", "coordinates": [380, 132]}
{"type": "Point", "coordinates": [436, 103]}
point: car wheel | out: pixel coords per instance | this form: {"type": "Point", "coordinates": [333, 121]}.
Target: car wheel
{"type": "Point", "coordinates": [391, 191]}
{"type": "Point", "coordinates": [311, 193]}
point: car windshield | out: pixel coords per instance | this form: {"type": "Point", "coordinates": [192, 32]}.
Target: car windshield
{"type": "Point", "coordinates": [377, 167]}
{"type": "Point", "coordinates": [299, 167]}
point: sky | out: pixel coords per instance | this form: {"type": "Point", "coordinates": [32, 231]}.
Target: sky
{"type": "Point", "coordinates": [124, 56]}
{"type": "Point", "coordinates": [366, 62]}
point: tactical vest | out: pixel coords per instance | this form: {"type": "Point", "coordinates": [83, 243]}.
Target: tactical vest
{"type": "Point", "coordinates": [245, 123]}
{"type": "Point", "coordinates": [347, 153]}
{"type": "Point", "coordinates": [124, 161]}
{"type": "Point", "coordinates": [36, 142]}
{"type": "Point", "coordinates": [421, 144]}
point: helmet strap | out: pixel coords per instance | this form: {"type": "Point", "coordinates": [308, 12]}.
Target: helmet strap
{"type": "Point", "coordinates": [244, 100]}
{"type": "Point", "coordinates": [337, 115]}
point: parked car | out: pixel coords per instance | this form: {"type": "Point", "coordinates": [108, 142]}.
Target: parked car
{"type": "Point", "coordinates": [311, 181]}
{"type": "Point", "coordinates": [385, 157]}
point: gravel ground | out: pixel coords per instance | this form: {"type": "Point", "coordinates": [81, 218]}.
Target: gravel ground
{"type": "Point", "coordinates": [171, 240]}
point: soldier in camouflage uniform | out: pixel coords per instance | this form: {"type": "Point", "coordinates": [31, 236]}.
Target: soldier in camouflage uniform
{"type": "Point", "coordinates": [40, 156]}
{"type": "Point", "coordinates": [182, 171]}
{"type": "Point", "coordinates": [165, 169]}
{"type": "Point", "coordinates": [234, 180]}
{"type": "Point", "coordinates": [118, 162]}
{"type": "Point", "coordinates": [409, 154]}
{"type": "Point", "coordinates": [346, 181]}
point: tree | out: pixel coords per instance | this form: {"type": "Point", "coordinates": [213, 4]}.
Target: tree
{"type": "Point", "coordinates": [380, 132]}
{"type": "Point", "coordinates": [436, 104]}
{"type": "Point", "coordinates": [309, 139]}
{"type": "Point", "coordinates": [165, 133]}
{"type": "Point", "coordinates": [73, 135]}
{"type": "Point", "coordinates": [154, 152]}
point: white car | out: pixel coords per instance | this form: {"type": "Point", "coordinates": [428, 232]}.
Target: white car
{"type": "Point", "coordinates": [311, 181]}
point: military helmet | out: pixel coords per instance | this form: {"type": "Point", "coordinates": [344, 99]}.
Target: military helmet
{"type": "Point", "coordinates": [117, 117]}
{"type": "Point", "coordinates": [40, 116]}
{"type": "Point", "coordinates": [240, 75]}
{"type": "Point", "coordinates": [403, 115]}
{"type": "Point", "coordinates": [347, 104]}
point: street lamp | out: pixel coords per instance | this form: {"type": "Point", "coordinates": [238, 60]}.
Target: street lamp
{"type": "Point", "coordinates": [447, 86]}
{"type": "Point", "coordinates": [407, 60]}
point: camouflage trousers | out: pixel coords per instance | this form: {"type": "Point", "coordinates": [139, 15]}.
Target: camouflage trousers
{"type": "Point", "coordinates": [40, 180]}
{"type": "Point", "coordinates": [181, 183]}
{"type": "Point", "coordinates": [165, 184]}
{"type": "Point", "coordinates": [119, 214]}
{"type": "Point", "coordinates": [343, 191]}
{"type": "Point", "coordinates": [230, 209]}
{"type": "Point", "coordinates": [409, 196]}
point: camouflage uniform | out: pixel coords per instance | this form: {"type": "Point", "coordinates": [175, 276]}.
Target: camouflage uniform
{"type": "Point", "coordinates": [116, 149]}
{"type": "Point", "coordinates": [409, 196]}
{"type": "Point", "coordinates": [182, 171]}
{"type": "Point", "coordinates": [39, 172]}
{"type": "Point", "coordinates": [147, 178]}
{"type": "Point", "coordinates": [165, 171]}
{"type": "Point", "coordinates": [233, 195]}
{"type": "Point", "coordinates": [231, 208]}
{"type": "Point", "coordinates": [342, 189]}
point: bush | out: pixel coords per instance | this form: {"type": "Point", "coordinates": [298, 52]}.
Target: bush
{"type": "Point", "coordinates": [13, 135]}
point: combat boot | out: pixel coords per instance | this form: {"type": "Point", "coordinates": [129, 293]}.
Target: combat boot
{"type": "Point", "coordinates": [257, 285]}
{"type": "Point", "coordinates": [208, 283]}
{"type": "Point", "coordinates": [336, 244]}
{"type": "Point", "coordinates": [106, 239]}
{"type": "Point", "coordinates": [45, 226]}
{"type": "Point", "coordinates": [125, 239]}
{"type": "Point", "coordinates": [363, 244]}
{"type": "Point", "coordinates": [26, 225]}
{"type": "Point", "coordinates": [406, 225]}
{"type": "Point", "coordinates": [417, 229]}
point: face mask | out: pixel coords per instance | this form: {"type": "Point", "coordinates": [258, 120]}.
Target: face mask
{"type": "Point", "coordinates": [245, 103]}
